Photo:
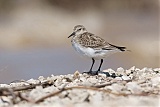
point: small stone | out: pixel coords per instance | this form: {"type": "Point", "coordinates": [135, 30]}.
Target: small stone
{"type": "Point", "coordinates": [118, 78]}
{"type": "Point", "coordinates": [132, 68]}
{"type": "Point", "coordinates": [96, 98]}
{"type": "Point", "coordinates": [131, 76]}
{"type": "Point", "coordinates": [128, 72]}
{"type": "Point", "coordinates": [37, 93]}
{"type": "Point", "coordinates": [33, 81]}
{"type": "Point", "coordinates": [155, 81]}
{"type": "Point", "coordinates": [87, 83]}
{"type": "Point", "coordinates": [41, 78]}
{"type": "Point", "coordinates": [51, 89]}
{"type": "Point", "coordinates": [68, 79]}
{"type": "Point", "coordinates": [126, 78]}
{"type": "Point", "coordinates": [137, 69]}
{"type": "Point", "coordinates": [4, 86]}
{"type": "Point", "coordinates": [157, 70]}
{"type": "Point", "coordinates": [78, 96]}
{"type": "Point", "coordinates": [21, 83]}
{"type": "Point", "coordinates": [51, 79]}
{"type": "Point", "coordinates": [116, 88]}
{"type": "Point", "coordinates": [5, 101]}
{"type": "Point", "coordinates": [82, 79]}
{"type": "Point", "coordinates": [147, 70]}
{"type": "Point", "coordinates": [76, 75]}
{"type": "Point", "coordinates": [120, 71]}
{"type": "Point", "coordinates": [92, 80]}
{"type": "Point", "coordinates": [63, 94]}
{"type": "Point", "coordinates": [58, 82]}
{"type": "Point", "coordinates": [134, 87]}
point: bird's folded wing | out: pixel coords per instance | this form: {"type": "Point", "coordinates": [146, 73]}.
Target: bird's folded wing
{"type": "Point", "coordinates": [96, 42]}
{"type": "Point", "coordinates": [92, 41]}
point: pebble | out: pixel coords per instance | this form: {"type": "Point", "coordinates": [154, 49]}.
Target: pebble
{"type": "Point", "coordinates": [118, 78]}
{"type": "Point", "coordinates": [132, 68]}
{"type": "Point", "coordinates": [128, 72]}
{"type": "Point", "coordinates": [124, 77]}
{"type": "Point", "coordinates": [4, 86]}
{"type": "Point", "coordinates": [76, 75]}
{"type": "Point", "coordinates": [155, 81]}
{"type": "Point", "coordinates": [92, 80]}
{"type": "Point", "coordinates": [5, 101]}
{"type": "Point", "coordinates": [134, 87]}
{"type": "Point", "coordinates": [120, 71]}
{"type": "Point", "coordinates": [131, 81]}
{"type": "Point", "coordinates": [157, 70]}
{"type": "Point", "coordinates": [33, 81]}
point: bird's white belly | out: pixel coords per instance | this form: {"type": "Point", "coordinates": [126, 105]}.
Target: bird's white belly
{"type": "Point", "coordinates": [90, 52]}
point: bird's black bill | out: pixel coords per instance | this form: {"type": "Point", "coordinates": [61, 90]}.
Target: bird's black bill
{"type": "Point", "coordinates": [71, 34]}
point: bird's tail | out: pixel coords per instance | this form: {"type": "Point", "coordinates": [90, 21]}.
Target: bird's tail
{"type": "Point", "coordinates": [120, 48]}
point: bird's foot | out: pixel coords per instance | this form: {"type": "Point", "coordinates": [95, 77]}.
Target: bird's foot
{"type": "Point", "coordinates": [106, 73]}
{"type": "Point", "coordinates": [91, 73]}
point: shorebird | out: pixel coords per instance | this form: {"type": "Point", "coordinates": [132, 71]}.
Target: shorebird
{"type": "Point", "coordinates": [92, 46]}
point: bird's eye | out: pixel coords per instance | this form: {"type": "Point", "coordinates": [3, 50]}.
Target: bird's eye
{"type": "Point", "coordinates": [79, 29]}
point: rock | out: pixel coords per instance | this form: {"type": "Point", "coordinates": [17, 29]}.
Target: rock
{"type": "Point", "coordinates": [5, 101]}
{"type": "Point", "coordinates": [146, 70]}
{"type": "Point", "coordinates": [92, 80]}
{"type": "Point", "coordinates": [155, 81]}
{"type": "Point", "coordinates": [118, 78]}
{"type": "Point", "coordinates": [132, 68]}
{"type": "Point", "coordinates": [78, 96]}
{"type": "Point", "coordinates": [76, 75]}
{"type": "Point", "coordinates": [4, 86]}
{"type": "Point", "coordinates": [137, 69]}
{"type": "Point", "coordinates": [42, 79]}
{"type": "Point", "coordinates": [116, 88]}
{"type": "Point", "coordinates": [58, 82]}
{"type": "Point", "coordinates": [18, 84]}
{"type": "Point", "coordinates": [86, 83]}
{"type": "Point", "coordinates": [132, 81]}
{"type": "Point", "coordinates": [134, 87]}
{"type": "Point", "coordinates": [96, 98]}
{"type": "Point", "coordinates": [120, 71]}
{"type": "Point", "coordinates": [128, 72]}
{"type": "Point", "coordinates": [36, 93]}
{"type": "Point", "coordinates": [131, 76]}
{"type": "Point", "coordinates": [157, 70]}
{"type": "Point", "coordinates": [125, 78]}
{"type": "Point", "coordinates": [33, 81]}
{"type": "Point", "coordinates": [82, 79]}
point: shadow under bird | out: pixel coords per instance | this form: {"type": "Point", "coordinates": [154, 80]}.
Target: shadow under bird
{"type": "Point", "coordinates": [92, 46]}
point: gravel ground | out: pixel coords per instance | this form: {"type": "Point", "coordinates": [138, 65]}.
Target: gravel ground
{"type": "Point", "coordinates": [120, 88]}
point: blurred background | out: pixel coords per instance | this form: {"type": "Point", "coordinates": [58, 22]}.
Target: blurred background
{"type": "Point", "coordinates": [33, 35]}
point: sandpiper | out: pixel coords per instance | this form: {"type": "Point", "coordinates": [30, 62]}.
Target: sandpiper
{"type": "Point", "coordinates": [92, 46]}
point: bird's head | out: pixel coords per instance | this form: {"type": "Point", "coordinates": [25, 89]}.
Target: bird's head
{"type": "Point", "coordinates": [79, 29]}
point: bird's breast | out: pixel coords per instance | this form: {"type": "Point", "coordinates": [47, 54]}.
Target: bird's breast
{"type": "Point", "coordinates": [87, 51]}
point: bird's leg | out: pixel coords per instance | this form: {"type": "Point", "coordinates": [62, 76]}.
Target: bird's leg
{"type": "Point", "coordinates": [93, 61]}
{"type": "Point", "coordinates": [99, 69]}
{"type": "Point", "coordinates": [90, 71]}
{"type": "Point", "coordinates": [106, 73]}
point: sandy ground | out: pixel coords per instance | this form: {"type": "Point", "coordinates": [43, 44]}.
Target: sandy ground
{"type": "Point", "coordinates": [127, 88]}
